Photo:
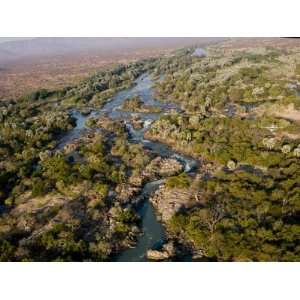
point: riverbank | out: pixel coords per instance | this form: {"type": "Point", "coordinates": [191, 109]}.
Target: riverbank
{"type": "Point", "coordinates": [167, 163]}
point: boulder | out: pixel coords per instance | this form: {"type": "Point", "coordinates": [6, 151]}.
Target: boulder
{"type": "Point", "coordinates": [157, 255]}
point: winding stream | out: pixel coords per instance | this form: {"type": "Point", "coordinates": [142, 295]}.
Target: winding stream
{"type": "Point", "coordinates": [153, 233]}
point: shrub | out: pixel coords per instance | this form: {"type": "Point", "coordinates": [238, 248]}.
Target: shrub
{"type": "Point", "coordinates": [181, 181]}
{"type": "Point", "coordinates": [38, 188]}
{"type": "Point", "coordinates": [251, 73]}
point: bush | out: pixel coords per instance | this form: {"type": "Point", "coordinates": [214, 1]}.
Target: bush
{"type": "Point", "coordinates": [38, 188]}
{"type": "Point", "coordinates": [251, 73]}
{"type": "Point", "coordinates": [181, 181]}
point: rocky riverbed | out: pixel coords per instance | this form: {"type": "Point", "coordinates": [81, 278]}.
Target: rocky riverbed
{"type": "Point", "coordinates": [149, 242]}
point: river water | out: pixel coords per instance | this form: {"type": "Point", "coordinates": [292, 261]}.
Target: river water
{"type": "Point", "coordinates": [153, 233]}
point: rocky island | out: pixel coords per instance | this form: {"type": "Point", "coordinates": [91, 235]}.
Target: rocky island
{"type": "Point", "coordinates": [136, 105]}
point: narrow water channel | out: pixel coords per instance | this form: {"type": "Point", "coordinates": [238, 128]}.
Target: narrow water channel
{"type": "Point", "coordinates": [153, 233]}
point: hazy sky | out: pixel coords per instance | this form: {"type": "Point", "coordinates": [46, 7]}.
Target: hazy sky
{"type": "Point", "coordinates": [8, 39]}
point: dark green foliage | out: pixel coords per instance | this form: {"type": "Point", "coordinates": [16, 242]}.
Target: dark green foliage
{"type": "Point", "coordinates": [246, 213]}
{"type": "Point", "coordinates": [181, 181]}
{"type": "Point", "coordinates": [250, 73]}
{"type": "Point", "coordinates": [246, 216]}
{"type": "Point", "coordinates": [39, 187]}
{"type": "Point", "coordinates": [64, 199]}
{"type": "Point", "coordinates": [38, 95]}
{"type": "Point", "coordinates": [56, 168]}
{"type": "Point", "coordinates": [251, 212]}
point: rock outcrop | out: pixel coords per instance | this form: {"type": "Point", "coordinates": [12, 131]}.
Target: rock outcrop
{"type": "Point", "coordinates": [135, 104]}
{"type": "Point", "coordinates": [71, 147]}
{"type": "Point", "coordinates": [169, 201]}
{"type": "Point", "coordinates": [162, 167]}
{"type": "Point", "coordinates": [167, 251]}
{"type": "Point", "coordinates": [157, 255]}
{"type": "Point", "coordinates": [137, 122]}
{"type": "Point", "coordinates": [157, 169]}
{"type": "Point", "coordinates": [126, 192]}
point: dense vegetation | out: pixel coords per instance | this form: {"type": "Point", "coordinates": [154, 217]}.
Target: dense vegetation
{"type": "Point", "coordinates": [246, 215]}
{"type": "Point", "coordinates": [60, 203]}
{"type": "Point", "coordinates": [249, 196]}
{"type": "Point", "coordinates": [33, 124]}
{"type": "Point", "coordinates": [238, 117]}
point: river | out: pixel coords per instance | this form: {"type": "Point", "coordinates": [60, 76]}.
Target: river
{"type": "Point", "coordinates": [153, 233]}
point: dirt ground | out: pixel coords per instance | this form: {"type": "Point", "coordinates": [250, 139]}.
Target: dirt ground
{"type": "Point", "coordinates": [53, 63]}
{"type": "Point", "coordinates": [56, 72]}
